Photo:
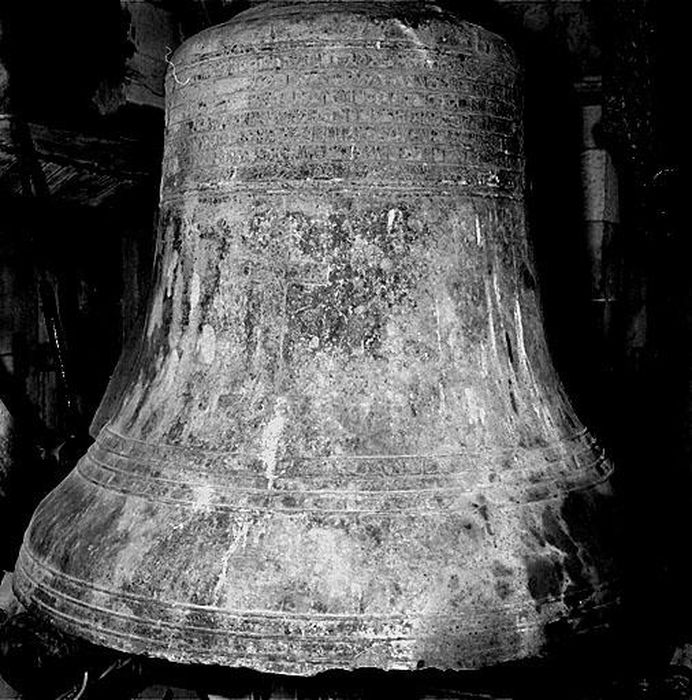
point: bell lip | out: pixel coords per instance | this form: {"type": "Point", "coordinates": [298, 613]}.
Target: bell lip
{"type": "Point", "coordinates": [589, 622]}
{"type": "Point", "coordinates": [157, 628]}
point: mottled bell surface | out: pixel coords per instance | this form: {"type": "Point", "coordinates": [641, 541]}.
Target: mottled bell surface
{"type": "Point", "coordinates": [6, 448]}
{"type": "Point", "coordinates": [340, 441]}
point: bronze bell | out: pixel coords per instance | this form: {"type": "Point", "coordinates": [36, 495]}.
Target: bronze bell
{"type": "Point", "coordinates": [340, 441]}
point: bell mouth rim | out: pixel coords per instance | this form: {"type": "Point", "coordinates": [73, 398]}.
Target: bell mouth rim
{"type": "Point", "coordinates": [254, 3]}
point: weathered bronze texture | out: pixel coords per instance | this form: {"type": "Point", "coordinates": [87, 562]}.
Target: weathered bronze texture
{"type": "Point", "coordinates": [341, 441]}
{"type": "Point", "coordinates": [7, 450]}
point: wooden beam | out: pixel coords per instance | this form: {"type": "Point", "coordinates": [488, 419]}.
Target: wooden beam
{"type": "Point", "coordinates": [82, 166]}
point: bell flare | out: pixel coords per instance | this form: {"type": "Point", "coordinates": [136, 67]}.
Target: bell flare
{"type": "Point", "coordinates": [339, 441]}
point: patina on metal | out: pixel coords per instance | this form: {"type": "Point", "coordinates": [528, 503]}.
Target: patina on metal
{"type": "Point", "coordinates": [7, 448]}
{"type": "Point", "coordinates": [340, 441]}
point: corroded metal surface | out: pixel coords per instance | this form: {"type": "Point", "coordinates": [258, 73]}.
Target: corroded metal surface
{"type": "Point", "coordinates": [341, 441]}
{"type": "Point", "coordinates": [6, 448]}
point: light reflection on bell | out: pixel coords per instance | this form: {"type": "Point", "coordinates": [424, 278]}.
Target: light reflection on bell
{"type": "Point", "coordinates": [340, 441]}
